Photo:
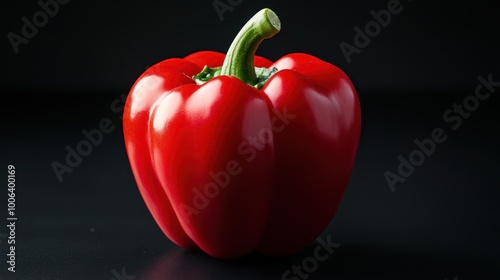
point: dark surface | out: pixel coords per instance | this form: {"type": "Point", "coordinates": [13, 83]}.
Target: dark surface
{"type": "Point", "coordinates": [442, 222]}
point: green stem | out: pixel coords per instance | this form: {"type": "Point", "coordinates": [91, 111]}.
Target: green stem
{"type": "Point", "coordinates": [240, 56]}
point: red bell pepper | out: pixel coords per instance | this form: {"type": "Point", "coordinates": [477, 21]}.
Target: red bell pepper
{"type": "Point", "coordinates": [234, 153]}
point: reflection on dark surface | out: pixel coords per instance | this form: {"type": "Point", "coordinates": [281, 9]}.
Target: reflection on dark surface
{"type": "Point", "coordinates": [195, 264]}
{"type": "Point", "coordinates": [349, 262]}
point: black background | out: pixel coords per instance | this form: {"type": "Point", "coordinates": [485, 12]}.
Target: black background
{"type": "Point", "coordinates": [442, 222]}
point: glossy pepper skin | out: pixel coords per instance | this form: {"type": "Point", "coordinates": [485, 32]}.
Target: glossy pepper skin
{"type": "Point", "coordinates": [229, 168]}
